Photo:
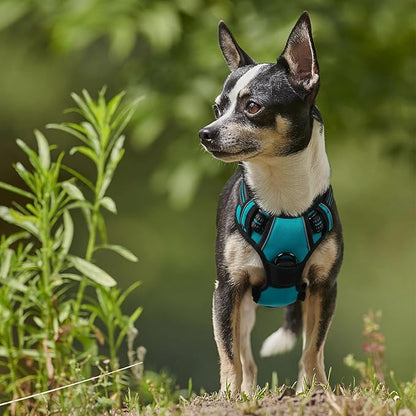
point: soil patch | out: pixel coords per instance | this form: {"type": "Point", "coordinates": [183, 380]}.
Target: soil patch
{"type": "Point", "coordinates": [319, 403]}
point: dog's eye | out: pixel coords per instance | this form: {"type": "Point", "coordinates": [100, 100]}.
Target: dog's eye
{"type": "Point", "coordinates": [217, 111]}
{"type": "Point", "coordinates": [252, 107]}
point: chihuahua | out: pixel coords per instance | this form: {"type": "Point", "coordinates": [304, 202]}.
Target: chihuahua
{"type": "Point", "coordinates": [279, 237]}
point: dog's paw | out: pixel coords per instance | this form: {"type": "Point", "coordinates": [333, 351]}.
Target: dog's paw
{"type": "Point", "coordinates": [280, 341]}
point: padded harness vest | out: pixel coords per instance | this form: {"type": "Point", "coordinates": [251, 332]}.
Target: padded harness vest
{"type": "Point", "coordinates": [284, 244]}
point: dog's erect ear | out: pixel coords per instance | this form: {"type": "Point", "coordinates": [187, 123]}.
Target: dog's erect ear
{"type": "Point", "coordinates": [300, 57]}
{"type": "Point", "coordinates": [233, 54]}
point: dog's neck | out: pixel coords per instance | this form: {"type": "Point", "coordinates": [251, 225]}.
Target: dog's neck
{"type": "Point", "coordinates": [289, 184]}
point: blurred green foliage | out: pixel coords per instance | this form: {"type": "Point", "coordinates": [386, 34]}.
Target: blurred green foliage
{"type": "Point", "coordinates": [167, 51]}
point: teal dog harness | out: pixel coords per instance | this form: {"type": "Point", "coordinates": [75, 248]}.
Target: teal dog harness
{"type": "Point", "coordinates": [284, 244]}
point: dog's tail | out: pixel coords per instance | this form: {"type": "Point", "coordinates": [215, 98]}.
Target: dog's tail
{"type": "Point", "coordinates": [284, 339]}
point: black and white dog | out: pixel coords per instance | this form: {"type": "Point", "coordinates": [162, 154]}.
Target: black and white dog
{"type": "Point", "coordinates": [279, 238]}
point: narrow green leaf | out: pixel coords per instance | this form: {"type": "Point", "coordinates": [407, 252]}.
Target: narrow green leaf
{"type": "Point", "coordinates": [109, 204]}
{"type": "Point", "coordinates": [122, 251]}
{"type": "Point", "coordinates": [79, 176]}
{"type": "Point", "coordinates": [73, 191]}
{"type": "Point", "coordinates": [68, 232]}
{"type": "Point", "coordinates": [104, 301]}
{"type": "Point", "coordinates": [70, 128]}
{"type": "Point", "coordinates": [102, 228]}
{"type": "Point", "coordinates": [89, 101]}
{"type": "Point", "coordinates": [39, 321]}
{"type": "Point", "coordinates": [55, 169]}
{"type": "Point", "coordinates": [33, 157]}
{"type": "Point", "coordinates": [31, 208]}
{"type": "Point", "coordinates": [16, 237]}
{"type": "Point", "coordinates": [5, 263]}
{"type": "Point", "coordinates": [131, 319]}
{"type": "Point", "coordinates": [71, 276]}
{"type": "Point", "coordinates": [21, 221]}
{"type": "Point", "coordinates": [135, 315]}
{"type": "Point", "coordinates": [26, 176]}
{"type": "Point", "coordinates": [86, 111]}
{"type": "Point", "coordinates": [15, 284]}
{"type": "Point", "coordinates": [123, 117]}
{"type": "Point", "coordinates": [57, 238]}
{"type": "Point", "coordinates": [100, 109]}
{"type": "Point", "coordinates": [16, 190]}
{"type": "Point", "coordinates": [127, 292]}
{"type": "Point", "coordinates": [92, 136]}
{"type": "Point", "coordinates": [86, 151]}
{"type": "Point", "coordinates": [116, 155]}
{"type": "Point", "coordinates": [43, 149]}
{"type": "Point", "coordinates": [93, 272]}
{"type": "Point", "coordinates": [113, 104]}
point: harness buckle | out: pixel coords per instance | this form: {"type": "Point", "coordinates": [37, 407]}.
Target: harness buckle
{"type": "Point", "coordinates": [316, 222]}
{"type": "Point", "coordinates": [285, 259]}
{"type": "Point", "coordinates": [258, 223]}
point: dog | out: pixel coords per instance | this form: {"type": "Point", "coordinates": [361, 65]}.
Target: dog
{"type": "Point", "coordinates": [279, 236]}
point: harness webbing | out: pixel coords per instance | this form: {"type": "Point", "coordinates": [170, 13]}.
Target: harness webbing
{"type": "Point", "coordinates": [283, 243]}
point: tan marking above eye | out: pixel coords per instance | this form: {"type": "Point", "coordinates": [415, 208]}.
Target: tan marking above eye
{"type": "Point", "coordinates": [245, 92]}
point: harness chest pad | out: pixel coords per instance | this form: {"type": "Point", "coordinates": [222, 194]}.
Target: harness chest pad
{"type": "Point", "coordinates": [283, 243]}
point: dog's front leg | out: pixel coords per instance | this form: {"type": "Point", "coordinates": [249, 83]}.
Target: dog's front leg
{"type": "Point", "coordinates": [247, 320]}
{"type": "Point", "coordinates": [317, 311]}
{"type": "Point", "coordinates": [226, 320]}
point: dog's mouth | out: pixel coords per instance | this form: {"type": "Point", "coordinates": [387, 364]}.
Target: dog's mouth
{"type": "Point", "coordinates": [232, 156]}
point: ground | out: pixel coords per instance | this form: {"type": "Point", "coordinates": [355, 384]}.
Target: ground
{"type": "Point", "coordinates": [287, 403]}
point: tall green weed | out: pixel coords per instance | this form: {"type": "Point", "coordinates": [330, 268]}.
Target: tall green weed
{"type": "Point", "coordinates": [59, 311]}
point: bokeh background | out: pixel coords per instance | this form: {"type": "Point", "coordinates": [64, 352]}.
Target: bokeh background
{"type": "Point", "coordinates": [167, 188]}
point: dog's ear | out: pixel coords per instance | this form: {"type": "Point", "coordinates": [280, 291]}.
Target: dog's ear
{"type": "Point", "coordinates": [233, 54]}
{"type": "Point", "coordinates": [300, 57]}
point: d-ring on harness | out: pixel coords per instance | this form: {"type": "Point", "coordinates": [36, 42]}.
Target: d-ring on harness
{"type": "Point", "coordinates": [284, 244]}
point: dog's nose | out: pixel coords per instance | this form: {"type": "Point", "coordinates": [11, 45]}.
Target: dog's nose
{"type": "Point", "coordinates": [208, 136]}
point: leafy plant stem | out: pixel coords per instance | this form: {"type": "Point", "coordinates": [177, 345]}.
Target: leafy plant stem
{"type": "Point", "coordinates": [45, 236]}
{"type": "Point", "coordinates": [92, 222]}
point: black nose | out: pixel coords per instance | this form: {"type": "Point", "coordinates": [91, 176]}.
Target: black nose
{"type": "Point", "coordinates": [208, 136]}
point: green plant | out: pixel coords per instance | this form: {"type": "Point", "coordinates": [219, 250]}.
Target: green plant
{"type": "Point", "coordinates": [373, 379]}
{"type": "Point", "coordinates": [58, 309]}
{"type": "Point", "coordinates": [373, 369]}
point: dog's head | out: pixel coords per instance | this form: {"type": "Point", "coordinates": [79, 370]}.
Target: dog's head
{"type": "Point", "coordinates": [264, 109]}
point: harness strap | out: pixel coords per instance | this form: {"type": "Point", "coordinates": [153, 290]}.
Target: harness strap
{"type": "Point", "coordinates": [284, 244]}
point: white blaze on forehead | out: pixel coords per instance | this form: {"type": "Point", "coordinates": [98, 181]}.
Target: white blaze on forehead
{"type": "Point", "coordinates": [242, 82]}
